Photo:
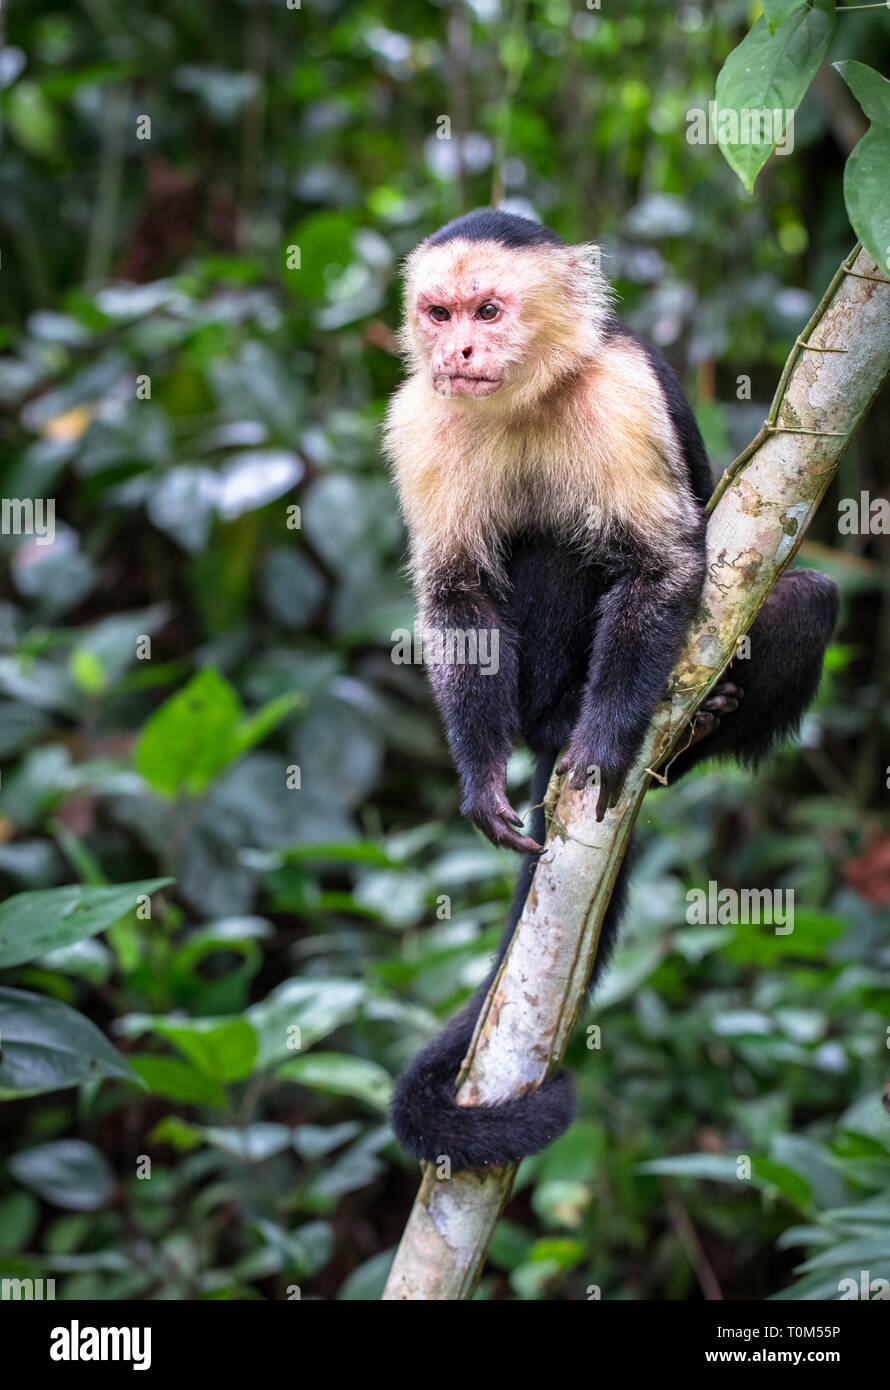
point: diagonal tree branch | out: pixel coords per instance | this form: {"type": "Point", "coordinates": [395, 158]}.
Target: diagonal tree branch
{"type": "Point", "coordinates": [761, 508]}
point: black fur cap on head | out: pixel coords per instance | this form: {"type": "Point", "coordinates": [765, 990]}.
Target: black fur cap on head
{"type": "Point", "coordinates": [487, 224]}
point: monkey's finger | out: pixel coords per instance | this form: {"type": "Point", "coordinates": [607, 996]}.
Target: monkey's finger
{"type": "Point", "coordinates": [703, 725]}
{"type": "Point", "coordinates": [523, 844]}
{"type": "Point", "coordinates": [609, 795]}
{"type": "Point", "coordinates": [720, 704]}
{"type": "Point", "coordinates": [507, 813]}
{"type": "Point", "coordinates": [564, 763]}
{"type": "Point", "coordinates": [615, 795]}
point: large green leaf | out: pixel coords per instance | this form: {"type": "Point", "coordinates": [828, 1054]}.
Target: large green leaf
{"type": "Point", "coordinates": [301, 1012]}
{"type": "Point", "coordinates": [68, 1173]}
{"type": "Point", "coordinates": [341, 1075]}
{"type": "Point", "coordinates": [770, 72]}
{"type": "Point", "coordinates": [224, 1049]}
{"type": "Point", "coordinates": [32, 924]}
{"type": "Point", "coordinates": [777, 10]}
{"type": "Point", "coordinates": [47, 1046]}
{"type": "Point", "coordinates": [867, 171]}
{"type": "Point", "coordinates": [198, 731]}
{"type": "Point", "coordinates": [366, 1283]}
{"type": "Point", "coordinates": [255, 1142]}
{"type": "Point", "coordinates": [176, 1080]}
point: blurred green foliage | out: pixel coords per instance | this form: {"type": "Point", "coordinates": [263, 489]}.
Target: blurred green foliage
{"type": "Point", "coordinates": [239, 896]}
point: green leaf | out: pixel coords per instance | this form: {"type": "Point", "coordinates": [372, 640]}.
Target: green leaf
{"type": "Point", "coordinates": [188, 740]}
{"type": "Point", "coordinates": [341, 1075]}
{"type": "Point", "coordinates": [253, 730]}
{"type": "Point", "coordinates": [301, 1012]}
{"type": "Point", "coordinates": [198, 731]}
{"type": "Point", "coordinates": [325, 244]}
{"type": "Point", "coordinates": [792, 1185]}
{"type": "Point", "coordinates": [777, 10]}
{"type": "Point", "coordinates": [254, 1142]}
{"type": "Point", "coordinates": [178, 1133]}
{"type": "Point", "coordinates": [34, 121]}
{"type": "Point", "coordinates": [867, 171]}
{"type": "Point", "coordinates": [529, 1281]}
{"type": "Point", "coordinates": [812, 1162]}
{"type": "Point", "coordinates": [857, 1254]}
{"type": "Point", "coordinates": [68, 1172]}
{"type": "Point", "coordinates": [768, 73]}
{"type": "Point", "coordinates": [352, 852]}
{"type": "Point", "coordinates": [223, 1049]}
{"type": "Point", "coordinates": [19, 1219]}
{"type": "Point", "coordinates": [86, 671]}
{"type": "Point", "coordinates": [304, 1251]}
{"type": "Point", "coordinates": [106, 649]}
{"type": "Point", "coordinates": [32, 924]}
{"type": "Point", "coordinates": [567, 1253]}
{"type": "Point", "coordinates": [176, 1080]}
{"type": "Point", "coordinates": [47, 1046]}
{"type": "Point", "coordinates": [562, 1202]}
{"type": "Point", "coordinates": [870, 89]}
{"type": "Point", "coordinates": [510, 1244]}
{"type": "Point", "coordinates": [366, 1283]}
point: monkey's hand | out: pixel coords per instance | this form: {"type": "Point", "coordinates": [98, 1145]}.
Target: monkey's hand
{"type": "Point", "coordinates": [587, 765]}
{"type": "Point", "coordinates": [488, 807]}
{"type": "Point", "coordinates": [723, 699]}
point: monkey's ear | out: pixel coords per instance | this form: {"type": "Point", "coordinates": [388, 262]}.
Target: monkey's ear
{"type": "Point", "coordinates": [590, 287]}
{"type": "Point", "coordinates": [587, 257]}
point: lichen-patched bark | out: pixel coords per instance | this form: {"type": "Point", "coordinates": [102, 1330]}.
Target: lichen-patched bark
{"type": "Point", "coordinates": [765, 503]}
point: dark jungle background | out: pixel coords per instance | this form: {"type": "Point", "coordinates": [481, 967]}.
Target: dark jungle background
{"type": "Point", "coordinates": [178, 386]}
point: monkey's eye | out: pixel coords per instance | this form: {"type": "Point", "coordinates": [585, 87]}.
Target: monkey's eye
{"type": "Point", "coordinates": [438, 313]}
{"type": "Point", "coordinates": [487, 311]}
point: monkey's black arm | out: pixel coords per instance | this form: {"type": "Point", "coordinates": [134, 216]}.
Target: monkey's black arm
{"type": "Point", "coordinates": [475, 685]}
{"type": "Point", "coordinates": [641, 622]}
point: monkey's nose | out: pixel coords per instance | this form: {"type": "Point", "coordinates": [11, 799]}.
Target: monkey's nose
{"type": "Point", "coordinates": [467, 352]}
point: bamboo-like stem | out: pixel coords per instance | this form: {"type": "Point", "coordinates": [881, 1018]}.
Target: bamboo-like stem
{"type": "Point", "coordinates": [103, 224]}
{"type": "Point", "coordinates": [764, 504]}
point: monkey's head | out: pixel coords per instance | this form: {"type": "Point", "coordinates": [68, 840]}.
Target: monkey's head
{"type": "Point", "coordinates": [498, 306]}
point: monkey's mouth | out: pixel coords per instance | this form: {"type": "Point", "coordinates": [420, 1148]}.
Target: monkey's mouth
{"type": "Point", "coordinates": [458, 385]}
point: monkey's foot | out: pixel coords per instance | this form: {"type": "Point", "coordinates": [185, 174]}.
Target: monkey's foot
{"type": "Point", "coordinates": [723, 699]}
{"type": "Point", "coordinates": [489, 809]}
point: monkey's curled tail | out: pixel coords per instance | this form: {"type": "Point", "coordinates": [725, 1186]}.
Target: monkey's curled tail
{"type": "Point", "coordinates": [429, 1123]}
{"type": "Point", "coordinates": [426, 1117]}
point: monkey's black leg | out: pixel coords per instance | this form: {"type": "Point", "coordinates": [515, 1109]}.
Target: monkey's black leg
{"type": "Point", "coordinates": [640, 625]}
{"type": "Point", "coordinates": [475, 685]}
{"type": "Point", "coordinates": [778, 681]}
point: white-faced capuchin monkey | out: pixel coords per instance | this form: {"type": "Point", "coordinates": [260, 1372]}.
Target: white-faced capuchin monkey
{"type": "Point", "coordinates": [553, 481]}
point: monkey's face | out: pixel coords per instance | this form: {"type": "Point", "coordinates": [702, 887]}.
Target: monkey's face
{"type": "Point", "coordinates": [466, 317]}
{"type": "Point", "coordinates": [487, 320]}
{"type": "Point", "coordinates": [465, 340]}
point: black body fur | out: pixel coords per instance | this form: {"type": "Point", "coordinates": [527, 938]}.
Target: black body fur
{"type": "Point", "coordinates": [586, 642]}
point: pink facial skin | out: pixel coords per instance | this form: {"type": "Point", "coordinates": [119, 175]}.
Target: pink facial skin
{"type": "Point", "coordinates": [467, 351]}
